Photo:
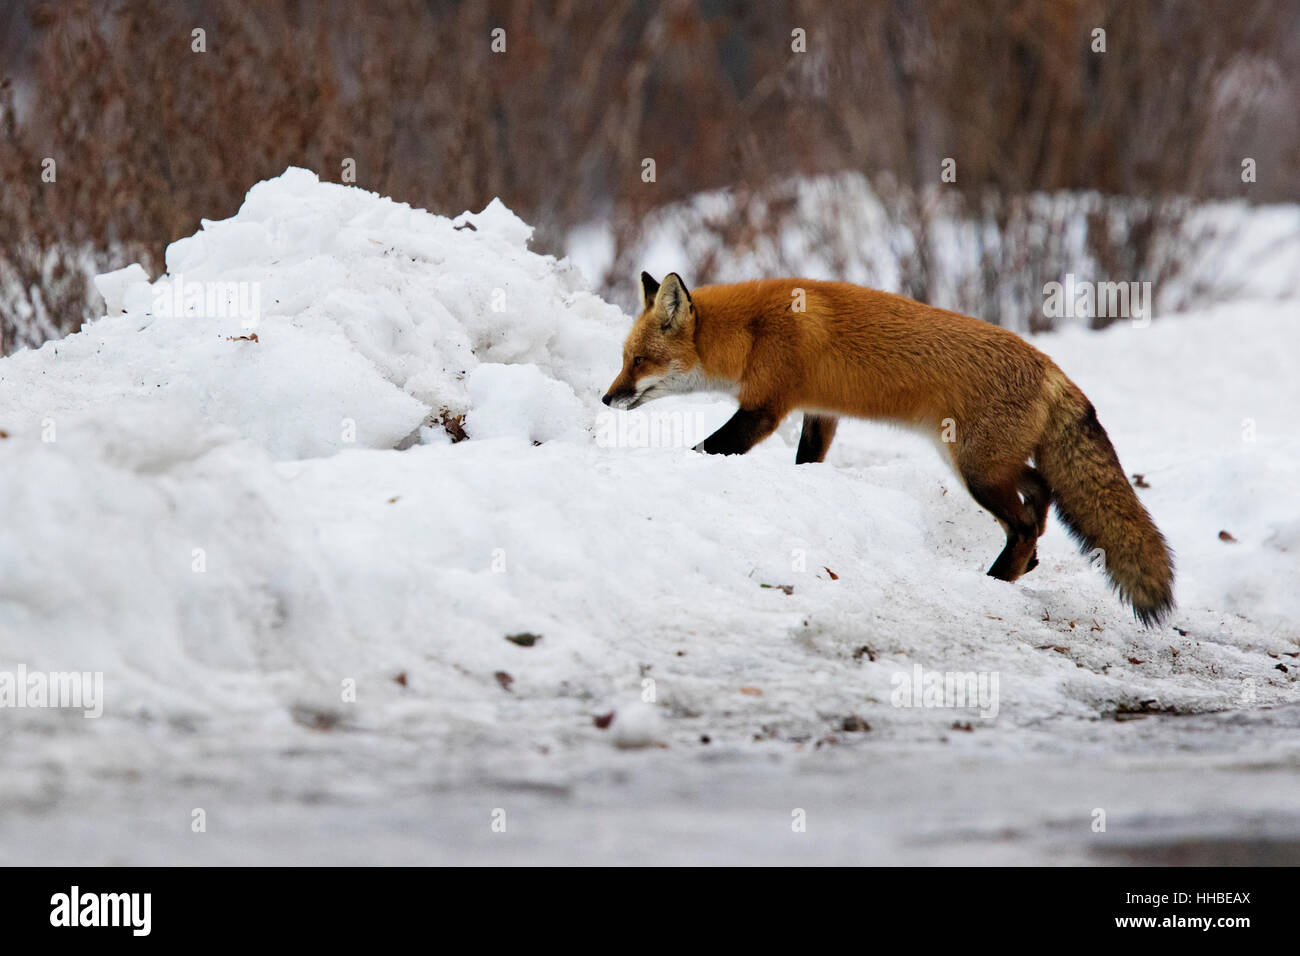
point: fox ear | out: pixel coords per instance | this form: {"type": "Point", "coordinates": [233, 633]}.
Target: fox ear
{"type": "Point", "coordinates": [649, 286]}
{"type": "Point", "coordinates": [673, 303]}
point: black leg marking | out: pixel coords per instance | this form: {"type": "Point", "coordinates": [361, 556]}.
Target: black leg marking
{"type": "Point", "coordinates": [743, 431]}
{"type": "Point", "coordinates": [1022, 529]}
{"type": "Point", "coordinates": [815, 439]}
{"type": "Point", "coordinates": [1038, 498]}
{"type": "Point", "coordinates": [1037, 494]}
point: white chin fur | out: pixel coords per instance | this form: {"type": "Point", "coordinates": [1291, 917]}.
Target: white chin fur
{"type": "Point", "coordinates": [676, 382]}
{"type": "Point", "coordinates": [627, 404]}
{"type": "Point", "coordinates": [650, 388]}
{"type": "Point", "coordinates": [684, 382]}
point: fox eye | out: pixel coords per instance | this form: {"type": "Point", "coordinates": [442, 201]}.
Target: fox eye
{"type": "Point", "coordinates": [638, 360]}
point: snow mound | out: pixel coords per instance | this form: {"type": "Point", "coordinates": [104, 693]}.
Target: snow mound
{"type": "Point", "coordinates": [322, 317]}
{"type": "Point", "coordinates": [521, 401]}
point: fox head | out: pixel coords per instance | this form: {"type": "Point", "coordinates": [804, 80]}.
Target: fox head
{"type": "Point", "coordinates": [659, 356]}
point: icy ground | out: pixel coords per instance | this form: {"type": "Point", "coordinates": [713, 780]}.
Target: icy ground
{"type": "Point", "coordinates": [303, 631]}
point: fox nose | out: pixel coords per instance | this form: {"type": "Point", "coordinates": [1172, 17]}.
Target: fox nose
{"type": "Point", "coordinates": [606, 399]}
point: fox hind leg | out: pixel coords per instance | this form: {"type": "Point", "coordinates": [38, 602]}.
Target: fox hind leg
{"type": "Point", "coordinates": [815, 439]}
{"type": "Point", "coordinates": [1038, 497]}
{"type": "Point", "coordinates": [1020, 520]}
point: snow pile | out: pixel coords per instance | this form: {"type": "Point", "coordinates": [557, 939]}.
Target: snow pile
{"type": "Point", "coordinates": [322, 317]}
{"type": "Point", "coordinates": [185, 513]}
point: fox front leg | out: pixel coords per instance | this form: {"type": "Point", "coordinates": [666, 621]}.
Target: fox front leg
{"type": "Point", "coordinates": [815, 440]}
{"type": "Point", "coordinates": [743, 431]}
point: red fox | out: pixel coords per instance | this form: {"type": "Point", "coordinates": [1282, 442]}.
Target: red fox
{"type": "Point", "coordinates": [991, 399]}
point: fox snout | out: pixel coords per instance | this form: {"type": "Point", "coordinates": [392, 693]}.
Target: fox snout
{"type": "Point", "coordinates": [622, 392]}
{"type": "Point", "coordinates": [618, 397]}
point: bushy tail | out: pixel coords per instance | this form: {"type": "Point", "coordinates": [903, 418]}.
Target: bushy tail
{"type": "Point", "coordinates": [1096, 502]}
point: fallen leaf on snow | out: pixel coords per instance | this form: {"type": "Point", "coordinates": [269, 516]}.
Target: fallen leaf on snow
{"type": "Point", "coordinates": [524, 640]}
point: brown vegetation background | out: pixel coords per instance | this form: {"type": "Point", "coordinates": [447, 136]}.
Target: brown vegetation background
{"type": "Point", "coordinates": [150, 136]}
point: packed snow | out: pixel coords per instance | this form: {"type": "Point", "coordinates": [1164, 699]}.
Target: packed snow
{"type": "Point", "coordinates": [335, 509]}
